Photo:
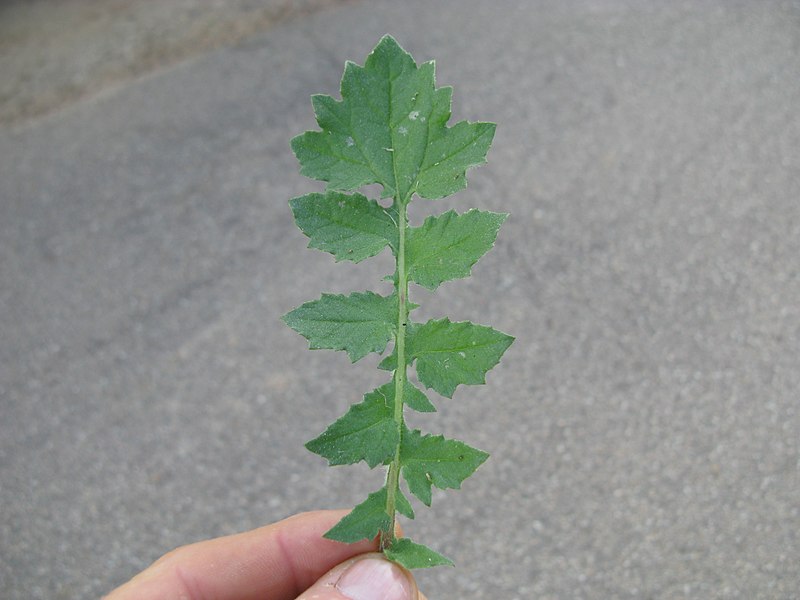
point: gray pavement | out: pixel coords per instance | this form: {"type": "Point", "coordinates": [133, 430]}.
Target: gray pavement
{"type": "Point", "coordinates": [54, 53]}
{"type": "Point", "coordinates": [645, 427]}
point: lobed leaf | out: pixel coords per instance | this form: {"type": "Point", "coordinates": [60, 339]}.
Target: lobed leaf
{"type": "Point", "coordinates": [449, 354]}
{"type": "Point", "coordinates": [416, 399]}
{"type": "Point", "coordinates": [360, 323]}
{"type": "Point", "coordinates": [415, 556]}
{"type": "Point", "coordinates": [446, 247]}
{"type": "Point", "coordinates": [403, 506]}
{"type": "Point", "coordinates": [433, 460]}
{"type": "Point", "coordinates": [365, 521]}
{"type": "Point", "coordinates": [348, 226]}
{"type": "Point", "coordinates": [449, 154]}
{"type": "Point", "coordinates": [366, 432]}
{"type": "Point", "coordinates": [390, 128]}
{"type": "Point", "coordinates": [389, 362]}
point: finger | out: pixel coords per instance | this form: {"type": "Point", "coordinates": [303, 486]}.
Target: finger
{"type": "Point", "coordinates": [278, 561]}
{"type": "Point", "coordinates": [367, 577]}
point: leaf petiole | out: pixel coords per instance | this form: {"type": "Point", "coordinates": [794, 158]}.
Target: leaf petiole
{"type": "Point", "coordinates": [400, 373]}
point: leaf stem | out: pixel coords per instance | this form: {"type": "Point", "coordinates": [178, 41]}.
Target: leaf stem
{"type": "Point", "coordinates": [401, 286]}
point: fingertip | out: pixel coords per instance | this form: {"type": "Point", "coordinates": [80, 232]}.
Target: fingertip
{"type": "Point", "coordinates": [367, 577]}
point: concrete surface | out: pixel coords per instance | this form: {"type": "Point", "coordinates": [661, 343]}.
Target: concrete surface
{"type": "Point", "coordinates": [644, 428]}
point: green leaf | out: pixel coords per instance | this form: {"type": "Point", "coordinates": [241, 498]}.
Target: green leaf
{"type": "Point", "coordinates": [449, 354]}
{"type": "Point", "coordinates": [433, 460]}
{"type": "Point", "coordinates": [414, 398]}
{"type": "Point", "coordinates": [446, 247]}
{"type": "Point", "coordinates": [365, 521]}
{"type": "Point", "coordinates": [450, 153]}
{"type": "Point", "coordinates": [390, 128]}
{"type": "Point", "coordinates": [415, 556]}
{"type": "Point", "coordinates": [360, 323]}
{"type": "Point", "coordinates": [348, 226]}
{"type": "Point", "coordinates": [366, 432]}
{"type": "Point", "coordinates": [403, 505]}
{"type": "Point", "coordinates": [389, 362]}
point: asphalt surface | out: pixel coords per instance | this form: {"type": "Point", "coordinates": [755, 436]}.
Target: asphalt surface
{"type": "Point", "coordinates": [54, 53]}
{"type": "Point", "coordinates": [645, 426]}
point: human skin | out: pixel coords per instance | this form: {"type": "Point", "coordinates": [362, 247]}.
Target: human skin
{"type": "Point", "coordinates": [282, 561]}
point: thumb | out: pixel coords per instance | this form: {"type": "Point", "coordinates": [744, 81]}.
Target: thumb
{"type": "Point", "coordinates": [366, 577]}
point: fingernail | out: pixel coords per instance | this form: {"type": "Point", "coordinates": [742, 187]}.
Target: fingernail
{"type": "Point", "coordinates": [375, 579]}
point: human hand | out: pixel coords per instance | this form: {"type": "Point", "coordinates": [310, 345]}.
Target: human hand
{"type": "Point", "coordinates": [288, 560]}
